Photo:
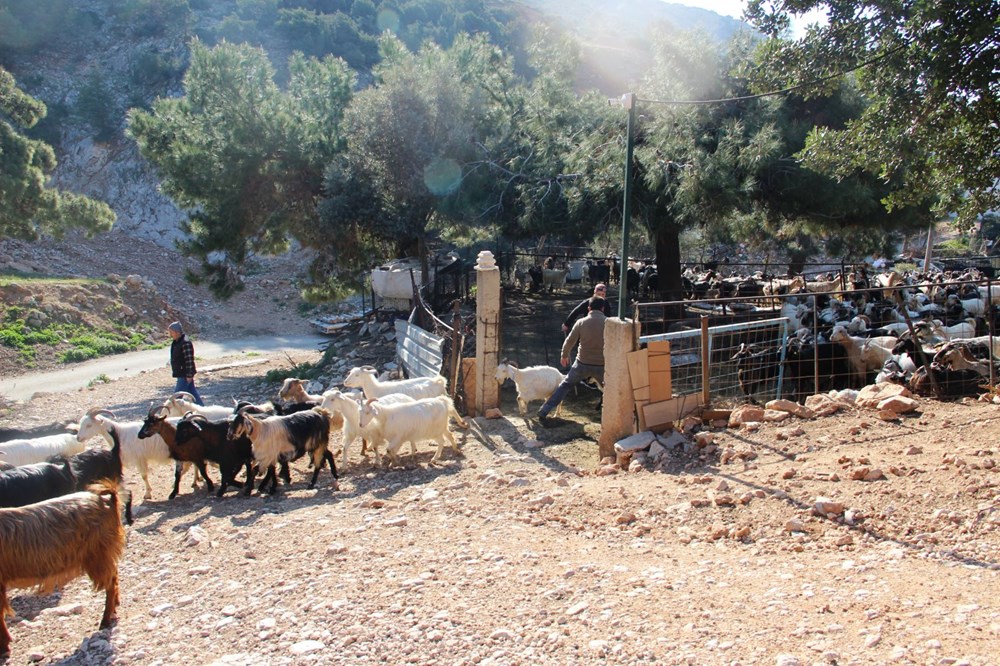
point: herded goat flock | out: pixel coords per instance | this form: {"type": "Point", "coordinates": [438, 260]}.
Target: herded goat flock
{"type": "Point", "coordinates": [61, 502]}
{"type": "Point", "coordinates": [934, 336]}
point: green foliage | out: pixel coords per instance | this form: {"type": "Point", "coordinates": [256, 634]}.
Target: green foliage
{"type": "Point", "coordinates": [955, 247]}
{"type": "Point", "coordinates": [95, 106]}
{"type": "Point", "coordinates": [245, 157]}
{"type": "Point", "coordinates": [28, 207]}
{"type": "Point", "coordinates": [99, 379]}
{"type": "Point", "coordinates": [334, 34]}
{"type": "Point", "coordinates": [22, 329]}
{"type": "Point", "coordinates": [154, 18]}
{"type": "Point", "coordinates": [154, 71]}
{"type": "Point", "coordinates": [301, 371]}
{"type": "Point", "coordinates": [928, 70]}
{"type": "Point", "coordinates": [27, 26]}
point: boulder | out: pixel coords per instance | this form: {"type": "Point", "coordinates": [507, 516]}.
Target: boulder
{"type": "Point", "coordinates": [745, 414]}
{"type": "Point", "coordinates": [824, 405]}
{"type": "Point", "coordinates": [792, 408]}
{"type": "Point", "coordinates": [899, 404]}
{"type": "Point", "coordinates": [870, 396]}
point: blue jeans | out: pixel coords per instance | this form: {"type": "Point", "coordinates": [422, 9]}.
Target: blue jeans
{"type": "Point", "coordinates": [577, 373]}
{"type": "Point", "coordinates": [188, 386]}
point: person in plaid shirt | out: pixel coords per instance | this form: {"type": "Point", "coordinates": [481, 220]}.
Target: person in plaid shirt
{"type": "Point", "coordinates": [182, 361]}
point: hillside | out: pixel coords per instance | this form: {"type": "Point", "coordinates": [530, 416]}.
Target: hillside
{"type": "Point", "coordinates": [106, 57]}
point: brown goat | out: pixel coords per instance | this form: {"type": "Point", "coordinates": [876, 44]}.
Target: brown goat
{"type": "Point", "coordinates": [50, 543]}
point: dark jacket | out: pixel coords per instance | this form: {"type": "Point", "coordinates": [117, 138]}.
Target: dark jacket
{"type": "Point", "coordinates": [182, 357]}
{"type": "Point", "coordinates": [581, 311]}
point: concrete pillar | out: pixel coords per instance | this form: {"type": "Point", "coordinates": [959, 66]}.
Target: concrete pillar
{"type": "Point", "coordinates": [618, 414]}
{"type": "Point", "coordinates": [487, 331]}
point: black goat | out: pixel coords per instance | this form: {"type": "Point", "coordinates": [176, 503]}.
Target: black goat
{"type": "Point", "coordinates": [801, 361]}
{"type": "Point", "coordinates": [196, 435]}
{"type": "Point", "coordinates": [97, 464]}
{"type": "Point", "coordinates": [36, 482]}
{"type": "Point", "coordinates": [754, 369]}
{"type": "Point", "coordinates": [293, 435]}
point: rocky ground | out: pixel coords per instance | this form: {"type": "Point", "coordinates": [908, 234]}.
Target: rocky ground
{"type": "Point", "coordinates": [837, 540]}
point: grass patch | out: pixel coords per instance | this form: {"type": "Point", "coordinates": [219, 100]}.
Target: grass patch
{"type": "Point", "coordinates": [15, 278]}
{"type": "Point", "coordinates": [99, 379]}
{"type": "Point", "coordinates": [29, 330]}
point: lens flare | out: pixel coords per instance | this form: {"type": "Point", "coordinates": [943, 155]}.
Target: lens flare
{"type": "Point", "coordinates": [442, 176]}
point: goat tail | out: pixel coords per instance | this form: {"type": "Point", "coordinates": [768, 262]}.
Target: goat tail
{"type": "Point", "coordinates": [462, 423]}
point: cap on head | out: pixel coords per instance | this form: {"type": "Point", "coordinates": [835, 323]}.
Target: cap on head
{"type": "Point", "coordinates": [176, 327]}
{"type": "Point", "coordinates": [600, 286]}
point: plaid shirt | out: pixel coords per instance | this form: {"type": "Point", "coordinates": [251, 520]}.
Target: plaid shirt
{"type": "Point", "coordinates": [182, 357]}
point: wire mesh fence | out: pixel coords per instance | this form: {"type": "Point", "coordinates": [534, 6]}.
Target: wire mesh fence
{"type": "Point", "coordinates": [792, 345]}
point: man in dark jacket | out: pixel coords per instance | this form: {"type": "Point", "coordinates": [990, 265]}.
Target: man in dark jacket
{"type": "Point", "coordinates": [600, 289]}
{"type": "Point", "coordinates": [182, 361]}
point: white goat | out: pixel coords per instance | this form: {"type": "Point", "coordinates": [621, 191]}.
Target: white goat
{"type": "Point", "coordinates": [181, 403]}
{"type": "Point", "coordinates": [418, 421]}
{"type": "Point", "coordinates": [864, 354]}
{"type": "Point", "coordinates": [136, 453]}
{"type": "Point", "coordinates": [365, 378]}
{"type": "Point", "coordinates": [290, 436]}
{"type": "Point", "coordinates": [348, 406]}
{"type": "Point", "coordinates": [960, 331]}
{"type": "Point", "coordinates": [19, 452]}
{"type": "Point", "coordinates": [554, 278]}
{"type": "Point", "coordinates": [536, 382]}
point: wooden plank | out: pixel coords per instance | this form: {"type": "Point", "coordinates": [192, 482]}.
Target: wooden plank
{"type": "Point", "coordinates": [660, 378]}
{"type": "Point", "coordinates": [660, 416]}
{"type": "Point", "coordinates": [637, 370]}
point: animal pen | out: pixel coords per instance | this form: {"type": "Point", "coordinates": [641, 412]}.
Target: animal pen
{"type": "Point", "coordinates": [734, 350]}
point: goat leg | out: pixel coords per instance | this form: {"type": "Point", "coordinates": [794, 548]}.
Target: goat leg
{"type": "Point", "coordinates": [4, 634]}
{"type": "Point", "coordinates": [204, 474]}
{"type": "Point", "coordinates": [111, 601]}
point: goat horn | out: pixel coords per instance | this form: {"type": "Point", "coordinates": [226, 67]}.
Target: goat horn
{"type": "Point", "coordinates": [183, 394]}
{"type": "Point", "coordinates": [95, 411]}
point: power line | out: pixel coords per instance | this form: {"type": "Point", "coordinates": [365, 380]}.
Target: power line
{"type": "Point", "coordinates": [783, 91]}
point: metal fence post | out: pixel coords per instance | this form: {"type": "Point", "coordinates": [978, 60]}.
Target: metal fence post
{"type": "Point", "coordinates": [706, 370]}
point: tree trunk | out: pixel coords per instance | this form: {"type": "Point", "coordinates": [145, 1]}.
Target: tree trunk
{"type": "Point", "coordinates": [668, 268]}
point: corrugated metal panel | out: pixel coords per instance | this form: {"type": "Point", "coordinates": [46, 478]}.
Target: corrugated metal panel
{"type": "Point", "coordinates": [418, 351]}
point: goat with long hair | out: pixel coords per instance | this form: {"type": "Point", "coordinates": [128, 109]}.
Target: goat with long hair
{"type": "Point", "coordinates": [50, 543]}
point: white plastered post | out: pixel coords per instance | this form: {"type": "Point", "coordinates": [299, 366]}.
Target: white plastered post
{"type": "Point", "coordinates": [487, 331]}
{"type": "Point", "coordinates": [618, 413]}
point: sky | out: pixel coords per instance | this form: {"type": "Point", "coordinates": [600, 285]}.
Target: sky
{"type": "Point", "coordinates": [734, 8]}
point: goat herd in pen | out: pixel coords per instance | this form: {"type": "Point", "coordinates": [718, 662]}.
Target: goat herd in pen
{"type": "Point", "coordinates": [62, 505]}
{"type": "Point", "coordinates": [934, 335]}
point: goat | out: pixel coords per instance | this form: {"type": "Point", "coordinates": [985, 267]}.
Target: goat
{"type": "Point", "coordinates": [802, 360]}
{"type": "Point", "coordinates": [349, 408]}
{"type": "Point", "coordinates": [35, 482]}
{"type": "Point", "coordinates": [156, 423]}
{"type": "Point", "coordinates": [197, 436]}
{"type": "Point", "coordinates": [949, 383]}
{"type": "Point", "coordinates": [50, 543]}
{"type": "Point", "coordinates": [364, 377]}
{"type": "Point", "coordinates": [182, 403]}
{"type": "Point", "coordinates": [536, 382]}
{"type": "Point", "coordinates": [421, 420]}
{"type": "Point", "coordinates": [292, 435]}
{"type": "Point", "coordinates": [294, 391]}
{"type": "Point", "coordinates": [137, 453]}
{"type": "Point", "coordinates": [10, 434]}
{"type": "Point", "coordinates": [960, 331]}
{"type": "Point", "coordinates": [554, 278]}
{"type": "Point", "coordinates": [97, 464]}
{"type": "Point", "coordinates": [755, 368]}
{"type": "Point", "coordinates": [960, 358]}
{"type": "Point", "coordinates": [18, 452]}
